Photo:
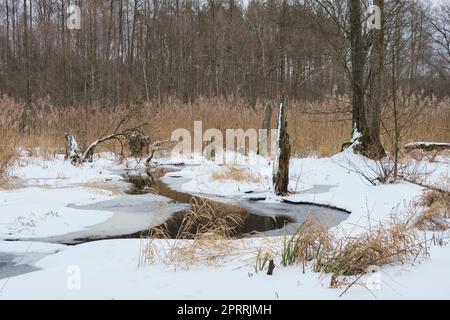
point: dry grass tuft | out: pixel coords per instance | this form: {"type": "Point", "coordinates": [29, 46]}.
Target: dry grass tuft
{"type": "Point", "coordinates": [393, 243]}
{"type": "Point", "coordinates": [236, 174]}
{"type": "Point", "coordinates": [436, 216]}
{"type": "Point", "coordinates": [208, 249]}
{"type": "Point", "coordinates": [207, 218]}
{"type": "Point", "coordinates": [101, 185]}
{"type": "Point", "coordinates": [203, 234]}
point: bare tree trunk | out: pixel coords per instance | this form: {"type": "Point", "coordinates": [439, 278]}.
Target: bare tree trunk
{"type": "Point", "coordinates": [357, 72]}
{"type": "Point", "coordinates": [376, 96]}
{"type": "Point", "coordinates": [26, 113]}
{"type": "Point", "coordinates": [281, 163]}
{"type": "Point", "coordinates": [395, 72]}
{"type": "Point", "coordinates": [394, 98]}
{"type": "Point", "coordinates": [7, 55]}
{"type": "Point", "coordinates": [144, 66]}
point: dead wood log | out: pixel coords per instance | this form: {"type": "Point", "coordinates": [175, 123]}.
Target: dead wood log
{"type": "Point", "coordinates": [280, 176]}
{"type": "Point", "coordinates": [76, 156]}
{"type": "Point", "coordinates": [427, 146]}
{"type": "Point", "coordinates": [73, 152]}
{"type": "Point", "coordinates": [89, 152]}
{"type": "Point", "coordinates": [121, 134]}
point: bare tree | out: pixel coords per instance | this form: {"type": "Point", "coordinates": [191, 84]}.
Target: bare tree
{"type": "Point", "coordinates": [375, 96]}
{"type": "Point", "coordinates": [129, 51]}
{"type": "Point", "coordinates": [441, 31]}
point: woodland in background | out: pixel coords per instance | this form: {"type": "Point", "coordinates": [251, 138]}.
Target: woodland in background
{"type": "Point", "coordinates": [130, 51]}
{"type": "Point", "coordinates": [224, 63]}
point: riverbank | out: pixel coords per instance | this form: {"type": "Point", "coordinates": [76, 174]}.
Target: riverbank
{"type": "Point", "coordinates": [111, 269]}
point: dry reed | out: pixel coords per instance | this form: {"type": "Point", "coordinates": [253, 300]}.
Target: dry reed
{"type": "Point", "coordinates": [436, 214]}
{"type": "Point", "coordinates": [314, 127]}
{"type": "Point", "coordinates": [8, 154]}
{"type": "Point", "coordinates": [385, 244]}
{"type": "Point", "coordinates": [202, 234]}
{"type": "Point", "coordinates": [236, 174]}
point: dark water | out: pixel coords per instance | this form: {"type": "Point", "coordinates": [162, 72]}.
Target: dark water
{"type": "Point", "coordinates": [139, 210]}
{"type": "Point", "coordinates": [251, 223]}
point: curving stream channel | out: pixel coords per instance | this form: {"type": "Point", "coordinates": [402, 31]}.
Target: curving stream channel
{"type": "Point", "coordinates": [137, 209]}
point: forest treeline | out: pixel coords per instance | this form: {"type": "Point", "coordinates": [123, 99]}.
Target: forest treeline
{"type": "Point", "coordinates": [129, 51]}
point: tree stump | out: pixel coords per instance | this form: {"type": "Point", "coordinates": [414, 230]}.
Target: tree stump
{"type": "Point", "coordinates": [73, 152]}
{"type": "Point", "coordinates": [271, 267]}
{"type": "Point", "coordinates": [280, 176]}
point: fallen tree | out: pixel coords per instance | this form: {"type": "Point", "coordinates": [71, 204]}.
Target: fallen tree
{"type": "Point", "coordinates": [138, 143]}
{"type": "Point", "coordinates": [130, 137]}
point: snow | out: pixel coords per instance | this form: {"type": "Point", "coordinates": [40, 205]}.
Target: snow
{"type": "Point", "coordinates": [40, 207]}
{"type": "Point", "coordinates": [202, 181]}
{"type": "Point", "coordinates": [37, 212]}
{"type": "Point", "coordinates": [56, 172]}
{"type": "Point", "coordinates": [426, 144]}
{"type": "Point", "coordinates": [356, 135]}
{"type": "Point", "coordinates": [108, 269]}
{"type": "Point", "coordinates": [327, 181]}
{"type": "Point", "coordinates": [22, 246]}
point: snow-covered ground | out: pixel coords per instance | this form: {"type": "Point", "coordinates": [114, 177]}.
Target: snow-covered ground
{"type": "Point", "coordinates": [109, 270]}
{"type": "Point", "coordinates": [44, 206]}
{"type": "Point", "coordinates": [40, 207]}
